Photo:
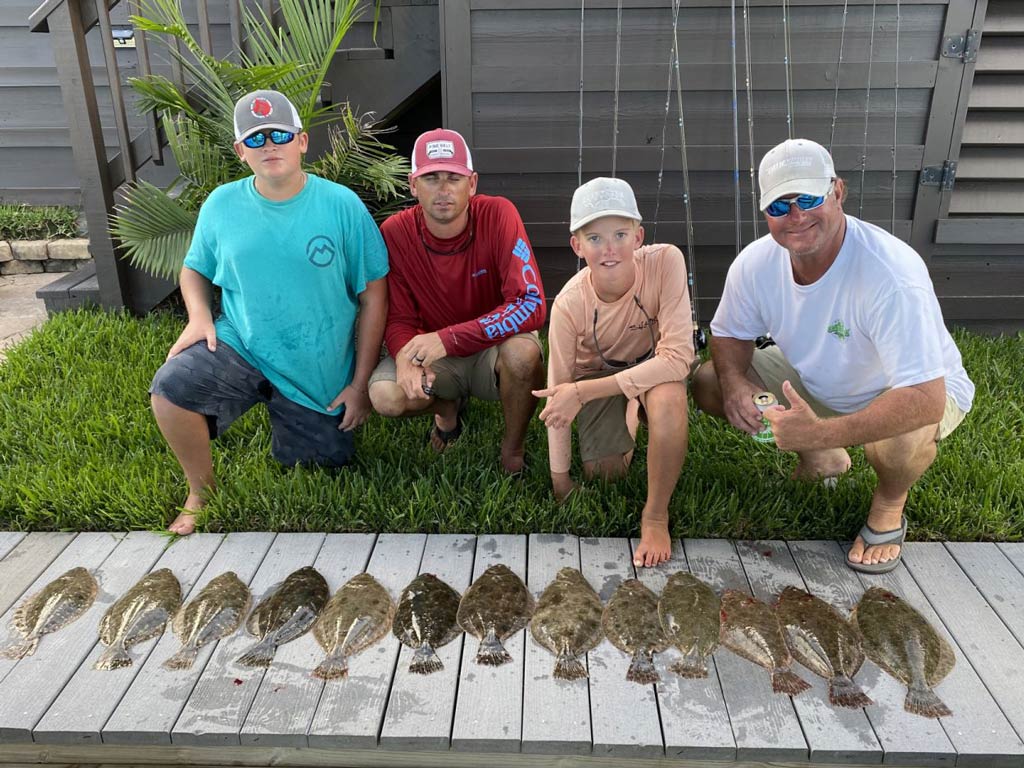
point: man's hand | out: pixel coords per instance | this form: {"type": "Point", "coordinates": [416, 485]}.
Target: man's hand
{"type": "Point", "coordinates": [562, 485]}
{"type": "Point", "coordinates": [411, 378]}
{"type": "Point", "coordinates": [738, 401]}
{"type": "Point", "coordinates": [423, 350]}
{"type": "Point", "coordinates": [562, 406]}
{"type": "Point", "coordinates": [196, 330]}
{"type": "Point", "coordinates": [798, 428]}
{"type": "Point", "coordinates": [357, 407]}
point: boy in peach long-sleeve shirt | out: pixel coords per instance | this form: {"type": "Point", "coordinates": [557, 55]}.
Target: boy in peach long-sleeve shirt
{"type": "Point", "coordinates": [621, 345]}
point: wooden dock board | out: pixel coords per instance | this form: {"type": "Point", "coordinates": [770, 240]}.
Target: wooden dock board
{"type": "Point", "coordinates": [996, 578]}
{"type": "Point", "coordinates": [91, 695]}
{"type": "Point", "coordinates": [556, 713]}
{"type": "Point", "coordinates": [22, 565]}
{"type": "Point", "coordinates": [217, 707]}
{"type": "Point", "coordinates": [694, 719]}
{"type": "Point", "coordinates": [900, 734]}
{"type": "Point", "coordinates": [151, 706]}
{"type": "Point", "coordinates": [623, 714]}
{"type": "Point", "coordinates": [350, 712]}
{"type": "Point", "coordinates": [834, 734]}
{"type": "Point", "coordinates": [421, 707]}
{"type": "Point", "coordinates": [283, 709]}
{"type": "Point", "coordinates": [8, 541]}
{"type": "Point", "coordinates": [764, 723]}
{"type": "Point", "coordinates": [489, 708]}
{"type": "Point", "coordinates": [1014, 553]}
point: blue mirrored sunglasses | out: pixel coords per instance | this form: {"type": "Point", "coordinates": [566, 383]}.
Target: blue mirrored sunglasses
{"type": "Point", "coordinates": [257, 140]}
{"type": "Point", "coordinates": [781, 208]}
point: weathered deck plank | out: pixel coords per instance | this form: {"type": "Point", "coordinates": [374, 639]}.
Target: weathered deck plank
{"type": "Point", "coordinates": [27, 692]}
{"type": "Point", "coordinates": [764, 723]}
{"type": "Point", "coordinates": [151, 706]}
{"type": "Point", "coordinates": [22, 566]}
{"type": "Point", "coordinates": [694, 719]}
{"type": "Point", "coordinates": [217, 707]}
{"type": "Point", "coordinates": [489, 709]}
{"type": "Point", "coordinates": [91, 695]}
{"type": "Point", "coordinates": [902, 735]}
{"type": "Point", "coordinates": [284, 706]}
{"type": "Point", "coordinates": [1014, 553]}
{"type": "Point", "coordinates": [420, 708]}
{"type": "Point", "coordinates": [9, 540]}
{"type": "Point", "coordinates": [623, 714]}
{"type": "Point", "coordinates": [351, 711]}
{"type": "Point", "coordinates": [996, 577]}
{"type": "Point", "coordinates": [556, 713]}
{"type": "Point", "coordinates": [834, 734]}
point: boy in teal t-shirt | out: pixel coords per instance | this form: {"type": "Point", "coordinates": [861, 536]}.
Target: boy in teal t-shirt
{"type": "Point", "coordinates": [295, 257]}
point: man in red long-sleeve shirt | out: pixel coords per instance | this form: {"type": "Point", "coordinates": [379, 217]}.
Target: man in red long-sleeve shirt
{"type": "Point", "coordinates": [466, 301]}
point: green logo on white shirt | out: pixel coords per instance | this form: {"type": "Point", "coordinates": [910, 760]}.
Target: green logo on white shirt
{"type": "Point", "coordinates": [839, 330]}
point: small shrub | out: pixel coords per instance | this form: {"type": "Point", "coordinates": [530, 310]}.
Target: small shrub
{"type": "Point", "coordinates": [29, 222]}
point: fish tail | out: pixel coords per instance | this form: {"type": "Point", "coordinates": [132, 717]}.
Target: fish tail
{"type": "Point", "coordinates": [335, 666]}
{"type": "Point", "coordinates": [260, 655]}
{"type": "Point", "coordinates": [20, 649]}
{"type": "Point", "coordinates": [692, 665]}
{"type": "Point", "coordinates": [641, 668]}
{"type": "Point", "coordinates": [843, 692]}
{"type": "Point", "coordinates": [115, 657]}
{"type": "Point", "coordinates": [787, 681]}
{"type": "Point", "coordinates": [425, 661]}
{"type": "Point", "coordinates": [924, 701]}
{"type": "Point", "coordinates": [491, 652]}
{"type": "Point", "coordinates": [569, 667]}
{"type": "Point", "coordinates": [183, 659]}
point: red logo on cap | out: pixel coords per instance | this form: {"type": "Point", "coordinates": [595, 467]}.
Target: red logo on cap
{"type": "Point", "coordinates": [261, 108]}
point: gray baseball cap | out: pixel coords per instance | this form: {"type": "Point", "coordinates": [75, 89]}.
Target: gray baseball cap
{"type": "Point", "coordinates": [599, 197]}
{"type": "Point", "coordinates": [795, 167]}
{"type": "Point", "coordinates": [261, 110]}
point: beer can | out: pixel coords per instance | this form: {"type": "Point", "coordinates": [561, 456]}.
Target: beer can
{"type": "Point", "coordinates": [764, 401]}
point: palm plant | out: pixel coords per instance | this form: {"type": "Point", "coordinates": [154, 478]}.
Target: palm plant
{"type": "Point", "coordinates": [155, 225]}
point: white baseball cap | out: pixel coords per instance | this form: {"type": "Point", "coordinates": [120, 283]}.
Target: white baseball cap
{"type": "Point", "coordinates": [599, 197]}
{"type": "Point", "coordinates": [795, 167]}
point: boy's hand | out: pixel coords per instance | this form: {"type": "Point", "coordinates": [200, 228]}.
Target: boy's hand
{"type": "Point", "coordinates": [196, 330]}
{"type": "Point", "coordinates": [563, 404]}
{"type": "Point", "coordinates": [357, 407]}
{"type": "Point", "coordinates": [655, 545]}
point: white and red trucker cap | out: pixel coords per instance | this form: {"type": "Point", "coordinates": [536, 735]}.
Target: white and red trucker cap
{"type": "Point", "coordinates": [441, 150]}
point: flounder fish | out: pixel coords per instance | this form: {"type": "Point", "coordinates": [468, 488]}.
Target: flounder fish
{"type": "Point", "coordinates": [426, 619]}
{"type": "Point", "coordinates": [216, 612]}
{"type": "Point", "coordinates": [751, 629]}
{"type": "Point", "coordinates": [902, 642]}
{"type": "Point", "coordinates": [138, 615]}
{"type": "Point", "coordinates": [54, 606]}
{"type": "Point", "coordinates": [495, 607]}
{"type": "Point", "coordinates": [689, 611]}
{"type": "Point", "coordinates": [823, 641]}
{"type": "Point", "coordinates": [630, 622]}
{"type": "Point", "coordinates": [359, 614]}
{"type": "Point", "coordinates": [567, 621]}
{"type": "Point", "coordinates": [284, 614]}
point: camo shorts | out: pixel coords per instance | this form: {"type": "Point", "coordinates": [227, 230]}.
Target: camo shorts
{"type": "Point", "coordinates": [222, 386]}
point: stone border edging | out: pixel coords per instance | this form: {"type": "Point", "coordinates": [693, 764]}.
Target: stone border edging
{"type": "Point", "coordinates": [24, 257]}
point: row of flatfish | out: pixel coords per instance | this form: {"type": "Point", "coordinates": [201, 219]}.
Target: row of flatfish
{"type": "Point", "coordinates": [568, 620]}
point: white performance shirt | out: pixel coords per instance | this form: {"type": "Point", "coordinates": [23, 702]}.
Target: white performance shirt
{"type": "Point", "coordinates": [870, 323]}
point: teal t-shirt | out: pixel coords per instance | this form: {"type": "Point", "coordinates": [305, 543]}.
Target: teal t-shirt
{"type": "Point", "coordinates": [290, 275]}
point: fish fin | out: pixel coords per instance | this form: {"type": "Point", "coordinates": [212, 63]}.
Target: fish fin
{"type": "Point", "coordinates": [787, 681]}
{"type": "Point", "coordinates": [925, 702]}
{"type": "Point", "coordinates": [115, 657]}
{"type": "Point", "coordinates": [260, 655]}
{"type": "Point", "coordinates": [843, 692]}
{"type": "Point", "coordinates": [183, 659]}
{"type": "Point", "coordinates": [491, 652]}
{"type": "Point", "coordinates": [641, 668]}
{"type": "Point", "coordinates": [425, 661]}
{"type": "Point", "coordinates": [20, 649]}
{"type": "Point", "coordinates": [569, 667]}
{"type": "Point", "coordinates": [335, 666]}
{"type": "Point", "coordinates": [692, 665]}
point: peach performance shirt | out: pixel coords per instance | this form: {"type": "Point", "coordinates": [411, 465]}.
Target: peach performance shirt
{"type": "Point", "coordinates": [622, 332]}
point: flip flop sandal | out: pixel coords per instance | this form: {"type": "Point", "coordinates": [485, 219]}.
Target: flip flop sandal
{"type": "Point", "coordinates": [450, 435]}
{"type": "Point", "coordinates": [873, 538]}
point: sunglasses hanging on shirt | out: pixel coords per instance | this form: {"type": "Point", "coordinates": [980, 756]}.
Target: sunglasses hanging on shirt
{"type": "Point", "coordinates": [623, 364]}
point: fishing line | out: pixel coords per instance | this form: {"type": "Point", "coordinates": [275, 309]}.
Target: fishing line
{"type": "Point", "coordinates": [867, 112]}
{"type": "Point", "coordinates": [839, 66]}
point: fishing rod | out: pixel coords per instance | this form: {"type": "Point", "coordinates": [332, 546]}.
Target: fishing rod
{"type": "Point", "coordinates": [867, 112]}
{"type": "Point", "coordinates": [895, 118]}
{"type": "Point", "coordinates": [755, 213]}
{"type": "Point", "coordinates": [615, 116]}
{"type": "Point", "coordinates": [735, 136]}
{"type": "Point", "coordinates": [839, 66]}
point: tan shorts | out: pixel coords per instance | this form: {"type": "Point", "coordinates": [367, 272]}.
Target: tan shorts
{"type": "Point", "coordinates": [774, 368]}
{"type": "Point", "coordinates": [456, 377]}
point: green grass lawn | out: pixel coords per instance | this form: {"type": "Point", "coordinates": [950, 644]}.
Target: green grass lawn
{"type": "Point", "coordinates": [80, 450]}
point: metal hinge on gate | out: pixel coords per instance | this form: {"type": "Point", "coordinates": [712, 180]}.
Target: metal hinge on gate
{"type": "Point", "coordinates": [963, 47]}
{"type": "Point", "coordinates": [939, 175]}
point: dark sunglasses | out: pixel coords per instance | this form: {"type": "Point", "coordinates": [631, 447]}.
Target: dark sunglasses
{"type": "Point", "coordinates": [781, 208]}
{"type": "Point", "coordinates": [623, 364]}
{"type": "Point", "coordinates": [258, 139]}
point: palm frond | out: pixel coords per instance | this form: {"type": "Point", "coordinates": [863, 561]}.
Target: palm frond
{"type": "Point", "coordinates": [154, 229]}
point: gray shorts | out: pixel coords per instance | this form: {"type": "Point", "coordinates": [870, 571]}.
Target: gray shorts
{"type": "Point", "coordinates": [222, 386]}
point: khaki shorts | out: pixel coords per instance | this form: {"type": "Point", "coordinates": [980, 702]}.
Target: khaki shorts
{"type": "Point", "coordinates": [774, 368]}
{"type": "Point", "coordinates": [457, 377]}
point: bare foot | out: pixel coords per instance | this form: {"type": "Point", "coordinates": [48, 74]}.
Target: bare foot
{"type": "Point", "coordinates": [822, 465]}
{"type": "Point", "coordinates": [655, 545]}
{"type": "Point", "coordinates": [883, 517]}
{"type": "Point", "coordinates": [185, 523]}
